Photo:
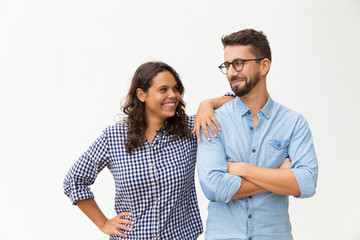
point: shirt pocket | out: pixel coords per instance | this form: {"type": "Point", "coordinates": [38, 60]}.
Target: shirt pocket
{"type": "Point", "coordinates": [276, 152]}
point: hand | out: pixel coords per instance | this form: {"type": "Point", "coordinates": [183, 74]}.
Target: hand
{"type": "Point", "coordinates": [205, 117]}
{"type": "Point", "coordinates": [234, 168]}
{"type": "Point", "coordinates": [112, 226]}
{"type": "Point", "coordinates": [286, 163]}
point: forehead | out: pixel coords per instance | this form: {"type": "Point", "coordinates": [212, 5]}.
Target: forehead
{"type": "Point", "coordinates": [237, 51]}
{"type": "Point", "coordinates": [164, 79]}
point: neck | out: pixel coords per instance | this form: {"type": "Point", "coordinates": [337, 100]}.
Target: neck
{"type": "Point", "coordinates": [257, 98]}
{"type": "Point", "coordinates": [153, 126]}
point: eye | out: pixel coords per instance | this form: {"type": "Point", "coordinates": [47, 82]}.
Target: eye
{"type": "Point", "coordinates": [238, 62]}
{"type": "Point", "coordinates": [163, 89]}
{"type": "Point", "coordinates": [176, 89]}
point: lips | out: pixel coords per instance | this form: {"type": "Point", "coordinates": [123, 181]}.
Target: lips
{"type": "Point", "coordinates": [172, 104]}
{"type": "Point", "coordinates": [237, 81]}
{"type": "Point", "coordinates": [169, 105]}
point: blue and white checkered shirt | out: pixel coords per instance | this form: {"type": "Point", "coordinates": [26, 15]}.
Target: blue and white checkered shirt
{"type": "Point", "coordinates": [155, 183]}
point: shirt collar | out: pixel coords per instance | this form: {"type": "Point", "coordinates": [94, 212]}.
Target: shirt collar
{"type": "Point", "coordinates": [244, 109]}
{"type": "Point", "coordinates": [266, 110]}
{"type": "Point", "coordinates": [241, 107]}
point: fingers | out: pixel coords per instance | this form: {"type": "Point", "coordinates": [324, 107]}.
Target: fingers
{"type": "Point", "coordinates": [123, 214]}
{"type": "Point", "coordinates": [197, 130]}
{"type": "Point", "coordinates": [211, 126]}
{"type": "Point", "coordinates": [286, 163]}
{"type": "Point", "coordinates": [206, 132]}
{"type": "Point", "coordinates": [203, 122]}
{"type": "Point", "coordinates": [204, 126]}
{"type": "Point", "coordinates": [121, 234]}
{"type": "Point", "coordinates": [117, 223]}
{"type": "Point", "coordinates": [213, 119]}
{"type": "Point", "coordinates": [121, 221]}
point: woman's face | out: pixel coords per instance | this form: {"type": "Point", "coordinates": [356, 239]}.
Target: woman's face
{"type": "Point", "coordinates": [162, 97]}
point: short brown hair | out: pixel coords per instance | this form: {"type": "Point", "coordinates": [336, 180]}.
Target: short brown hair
{"type": "Point", "coordinates": [256, 39]}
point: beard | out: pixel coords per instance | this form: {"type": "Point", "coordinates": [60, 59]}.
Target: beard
{"type": "Point", "coordinates": [249, 85]}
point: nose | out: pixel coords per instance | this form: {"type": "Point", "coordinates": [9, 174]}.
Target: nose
{"type": "Point", "coordinates": [172, 93]}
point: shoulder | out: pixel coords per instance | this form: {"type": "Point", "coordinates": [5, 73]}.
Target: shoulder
{"type": "Point", "coordinates": [225, 110]}
{"type": "Point", "coordinates": [287, 116]}
{"type": "Point", "coordinates": [117, 130]}
{"type": "Point", "coordinates": [281, 110]}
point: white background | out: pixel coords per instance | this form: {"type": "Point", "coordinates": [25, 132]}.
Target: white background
{"type": "Point", "coordinates": [66, 65]}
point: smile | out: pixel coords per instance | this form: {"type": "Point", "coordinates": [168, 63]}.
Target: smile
{"type": "Point", "coordinates": [172, 104]}
{"type": "Point", "coordinates": [236, 82]}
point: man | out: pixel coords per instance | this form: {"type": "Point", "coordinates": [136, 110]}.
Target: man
{"type": "Point", "coordinates": [243, 172]}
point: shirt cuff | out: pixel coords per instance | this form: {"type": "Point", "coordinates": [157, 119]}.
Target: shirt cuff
{"type": "Point", "coordinates": [306, 182]}
{"type": "Point", "coordinates": [77, 192]}
{"type": "Point", "coordinates": [230, 94]}
{"type": "Point", "coordinates": [230, 184]}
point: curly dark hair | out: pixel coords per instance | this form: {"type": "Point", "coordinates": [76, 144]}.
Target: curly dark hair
{"type": "Point", "coordinates": [256, 39]}
{"type": "Point", "coordinates": [177, 125]}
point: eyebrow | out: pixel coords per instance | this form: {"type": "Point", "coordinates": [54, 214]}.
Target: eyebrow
{"type": "Point", "coordinates": [167, 86]}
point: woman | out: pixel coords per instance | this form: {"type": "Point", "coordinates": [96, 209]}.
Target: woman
{"type": "Point", "coordinates": [151, 156]}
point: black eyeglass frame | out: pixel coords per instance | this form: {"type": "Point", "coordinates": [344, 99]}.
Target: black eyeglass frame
{"type": "Point", "coordinates": [223, 66]}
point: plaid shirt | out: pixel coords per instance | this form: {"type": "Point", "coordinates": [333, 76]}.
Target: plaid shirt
{"type": "Point", "coordinates": [155, 183]}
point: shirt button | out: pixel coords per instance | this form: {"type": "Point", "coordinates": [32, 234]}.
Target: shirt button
{"type": "Point", "coordinates": [150, 147]}
{"type": "Point", "coordinates": [152, 165]}
{"type": "Point", "coordinates": [156, 182]}
{"type": "Point", "coordinates": [249, 216]}
{"type": "Point", "coordinates": [249, 238]}
{"type": "Point", "coordinates": [251, 128]}
{"type": "Point", "coordinates": [157, 200]}
{"type": "Point", "coordinates": [156, 219]}
{"type": "Point", "coordinates": [248, 113]}
{"type": "Point", "coordinates": [253, 150]}
{"type": "Point", "coordinates": [250, 196]}
{"type": "Point", "coordinates": [279, 145]}
{"type": "Point", "coordinates": [156, 236]}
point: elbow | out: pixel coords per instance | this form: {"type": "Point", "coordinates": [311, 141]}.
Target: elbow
{"type": "Point", "coordinates": [209, 194]}
{"type": "Point", "coordinates": [306, 180]}
{"type": "Point", "coordinates": [213, 196]}
{"type": "Point", "coordinates": [307, 190]}
{"type": "Point", "coordinates": [219, 195]}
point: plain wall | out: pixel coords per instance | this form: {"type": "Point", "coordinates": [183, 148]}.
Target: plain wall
{"type": "Point", "coordinates": [66, 65]}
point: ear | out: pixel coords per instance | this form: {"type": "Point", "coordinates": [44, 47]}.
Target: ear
{"type": "Point", "coordinates": [141, 95]}
{"type": "Point", "coordinates": [265, 66]}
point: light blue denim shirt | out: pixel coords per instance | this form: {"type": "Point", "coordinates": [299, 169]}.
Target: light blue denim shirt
{"type": "Point", "coordinates": [280, 132]}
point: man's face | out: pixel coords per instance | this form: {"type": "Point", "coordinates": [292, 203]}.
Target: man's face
{"type": "Point", "coordinates": [244, 81]}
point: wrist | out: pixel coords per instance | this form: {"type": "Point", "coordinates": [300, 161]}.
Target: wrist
{"type": "Point", "coordinates": [241, 169]}
{"type": "Point", "coordinates": [102, 224]}
{"type": "Point", "coordinates": [207, 102]}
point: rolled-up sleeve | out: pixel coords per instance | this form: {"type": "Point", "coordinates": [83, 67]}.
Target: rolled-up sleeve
{"type": "Point", "coordinates": [217, 184]}
{"type": "Point", "coordinates": [303, 157]}
{"type": "Point", "coordinates": [84, 172]}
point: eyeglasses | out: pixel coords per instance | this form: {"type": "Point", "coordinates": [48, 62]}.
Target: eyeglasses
{"type": "Point", "coordinates": [237, 64]}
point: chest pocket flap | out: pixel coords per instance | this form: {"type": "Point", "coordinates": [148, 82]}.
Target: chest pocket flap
{"type": "Point", "coordinates": [279, 144]}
